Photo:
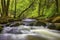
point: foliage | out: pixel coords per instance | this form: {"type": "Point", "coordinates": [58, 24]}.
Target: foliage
{"type": "Point", "coordinates": [32, 8]}
{"type": "Point", "coordinates": [33, 11]}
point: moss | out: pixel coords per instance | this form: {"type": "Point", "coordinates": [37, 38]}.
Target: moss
{"type": "Point", "coordinates": [8, 24]}
{"type": "Point", "coordinates": [1, 28]}
{"type": "Point", "coordinates": [52, 26]}
{"type": "Point", "coordinates": [40, 23]}
{"type": "Point", "coordinates": [55, 26]}
{"type": "Point", "coordinates": [14, 25]}
{"type": "Point", "coordinates": [58, 28]}
{"type": "Point", "coordinates": [56, 19]}
{"type": "Point", "coordinates": [5, 20]}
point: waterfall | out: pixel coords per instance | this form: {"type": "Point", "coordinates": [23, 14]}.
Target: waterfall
{"type": "Point", "coordinates": [27, 22]}
{"type": "Point", "coordinates": [47, 24]}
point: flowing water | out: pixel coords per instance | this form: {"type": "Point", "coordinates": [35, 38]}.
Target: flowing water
{"type": "Point", "coordinates": [24, 32]}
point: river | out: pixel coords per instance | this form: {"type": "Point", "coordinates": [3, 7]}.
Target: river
{"type": "Point", "coordinates": [24, 32]}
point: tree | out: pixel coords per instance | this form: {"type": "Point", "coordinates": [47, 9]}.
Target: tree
{"type": "Point", "coordinates": [15, 9]}
{"type": "Point", "coordinates": [26, 9]}
{"type": "Point", "coordinates": [5, 7]}
{"type": "Point", "coordinates": [39, 6]}
{"type": "Point", "coordinates": [57, 6]}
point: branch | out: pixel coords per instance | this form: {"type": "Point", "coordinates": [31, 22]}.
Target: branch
{"type": "Point", "coordinates": [26, 9]}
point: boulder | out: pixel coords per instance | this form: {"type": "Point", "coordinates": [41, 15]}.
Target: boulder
{"type": "Point", "coordinates": [40, 23]}
{"type": "Point", "coordinates": [52, 26]}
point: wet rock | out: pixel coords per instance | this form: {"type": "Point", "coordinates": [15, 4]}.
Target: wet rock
{"type": "Point", "coordinates": [15, 25]}
{"type": "Point", "coordinates": [31, 24]}
{"type": "Point", "coordinates": [40, 23]}
{"type": "Point", "coordinates": [57, 26]}
{"type": "Point", "coordinates": [57, 21]}
{"type": "Point", "coordinates": [7, 24]}
{"type": "Point", "coordinates": [1, 28]}
{"type": "Point", "coordinates": [52, 26]}
{"type": "Point", "coordinates": [3, 22]}
{"type": "Point", "coordinates": [11, 20]}
{"type": "Point", "coordinates": [14, 32]}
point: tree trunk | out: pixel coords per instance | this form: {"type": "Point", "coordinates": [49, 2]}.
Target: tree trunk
{"type": "Point", "coordinates": [39, 6]}
{"type": "Point", "coordinates": [15, 10]}
{"type": "Point", "coordinates": [5, 7]}
{"type": "Point", "coordinates": [57, 6]}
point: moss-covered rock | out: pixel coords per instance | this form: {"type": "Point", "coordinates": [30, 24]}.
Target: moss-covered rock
{"type": "Point", "coordinates": [55, 26]}
{"type": "Point", "coordinates": [52, 26]}
{"type": "Point", "coordinates": [15, 25]}
{"type": "Point", "coordinates": [40, 23]}
{"type": "Point", "coordinates": [58, 28]}
{"type": "Point", "coordinates": [56, 19]}
{"type": "Point", "coordinates": [7, 24]}
{"type": "Point", "coordinates": [1, 28]}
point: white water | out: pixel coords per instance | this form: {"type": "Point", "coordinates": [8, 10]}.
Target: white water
{"type": "Point", "coordinates": [25, 31]}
